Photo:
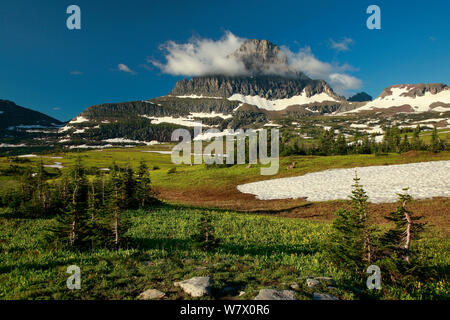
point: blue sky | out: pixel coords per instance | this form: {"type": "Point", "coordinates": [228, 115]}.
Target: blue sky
{"type": "Point", "coordinates": [46, 67]}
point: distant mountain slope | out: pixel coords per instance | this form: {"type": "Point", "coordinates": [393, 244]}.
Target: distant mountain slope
{"type": "Point", "coordinates": [14, 117]}
{"type": "Point", "coordinates": [411, 98]}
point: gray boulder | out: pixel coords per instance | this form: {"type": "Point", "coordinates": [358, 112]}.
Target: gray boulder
{"type": "Point", "coordinates": [271, 294]}
{"type": "Point", "coordinates": [151, 294]}
{"type": "Point", "coordinates": [196, 287]}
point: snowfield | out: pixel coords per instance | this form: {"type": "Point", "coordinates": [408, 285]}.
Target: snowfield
{"type": "Point", "coordinates": [382, 183]}
{"type": "Point", "coordinates": [280, 104]}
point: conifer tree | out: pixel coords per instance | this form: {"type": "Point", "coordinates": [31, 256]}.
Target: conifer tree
{"type": "Point", "coordinates": [121, 186]}
{"type": "Point", "coordinates": [416, 144]}
{"type": "Point", "coordinates": [341, 144]}
{"type": "Point", "coordinates": [436, 143]}
{"type": "Point", "coordinates": [204, 237]}
{"type": "Point", "coordinates": [405, 146]}
{"type": "Point", "coordinates": [144, 193]}
{"type": "Point", "coordinates": [406, 228]}
{"type": "Point", "coordinates": [351, 240]}
{"type": "Point", "coordinates": [129, 188]}
{"type": "Point", "coordinates": [71, 223]}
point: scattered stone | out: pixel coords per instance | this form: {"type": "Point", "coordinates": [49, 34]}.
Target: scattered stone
{"type": "Point", "coordinates": [196, 287]}
{"type": "Point", "coordinates": [151, 294]}
{"type": "Point", "coordinates": [271, 294]}
{"type": "Point", "coordinates": [294, 286]}
{"type": "Point", "coordinates": [323, 296]}
{"type": "Point", "coordinates": [312, 283]}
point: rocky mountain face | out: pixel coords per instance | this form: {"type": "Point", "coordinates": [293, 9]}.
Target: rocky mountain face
{"type": "Point", "coordinates": [266, 86]}
{"type": "Point", "coordinates": [263, 57]}
{"type": "Point", "coordinates": [267, 74]}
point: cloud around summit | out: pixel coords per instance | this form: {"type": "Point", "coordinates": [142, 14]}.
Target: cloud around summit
{"type": "Point", "coordinates": [203, 56]}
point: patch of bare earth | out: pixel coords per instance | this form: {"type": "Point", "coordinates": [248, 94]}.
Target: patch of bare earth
{"type": "Point", "coordinates": [436, 211]}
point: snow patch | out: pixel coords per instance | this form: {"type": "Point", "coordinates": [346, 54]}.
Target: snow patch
{"type": "Point", "coordinates": [57, 165]}
{"type": "Point", "coordinates": [187, 122]}
{"type": "Point", "coordinates": [79, 119]}
{"type": "Point", "coordinates": [193, 96]}
{"type": "Point", "coordinates": [28, 156]}
{"type": "Point", "coordinates": [7, 145]}
{"type": "Point", "coordinates": [85, 146]}
{"type": "Point", "coordinates": [281, 104]}
{"type": "Point", "coordinates": [125, 140]}
{"type": "Point", "coordinates": [425, 180]}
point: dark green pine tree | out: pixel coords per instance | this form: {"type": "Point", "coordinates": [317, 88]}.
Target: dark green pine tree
{"type": "Point", "coordinates": [405, 145]}
{"type": "Point", "coordinates": [98, 234]}
{"type": "Point", "coordinates": [204, 237]}
{"type": "Point", "coordinates": [436, 143]}
{"type": "Point", "coordinates": [351, 245]}
{"type": "Point", "coordinates": [72, 226]}
{"type": "Point", "coordinates": [416, 143]}
{"type": "Point", "coordinates": [341, 144]}
{"type": "Point", "coordinates": [365, 147]}
{"type": "Point", "coordinates": [144, 192]}
{"type": "Point", "coordinates": [326, 142]}
{"type": "Point", "coordinates": [129, 188]}
{"type": "Point", "coordinates": [117, 203]}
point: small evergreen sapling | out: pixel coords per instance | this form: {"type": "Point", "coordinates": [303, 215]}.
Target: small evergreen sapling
{"type": "Point", "coordinates": [204, 238]}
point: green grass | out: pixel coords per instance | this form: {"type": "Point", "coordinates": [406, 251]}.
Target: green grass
{"type": "Point", "coordinates": [255, 252]}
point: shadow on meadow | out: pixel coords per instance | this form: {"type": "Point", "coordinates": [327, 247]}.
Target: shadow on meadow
{"type": "Point", "coordinates": [170, 245]}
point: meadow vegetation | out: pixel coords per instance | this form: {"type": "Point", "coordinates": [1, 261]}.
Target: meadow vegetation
{"type": "Point", "coordinates": [169, 242]}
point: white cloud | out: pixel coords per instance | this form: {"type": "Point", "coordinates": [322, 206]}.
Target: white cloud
{"type": "Point", "coordinates": [342, 45]}
{"type": "Point", "coordinates": [205, 56]}
{"type": "Point", "coordinates": [306, 62]}
{"type": "Point", "coordinates": [342, 82]}
{"type": "Point", "coordinates": [202, 56]}
{"type": "Point", "coordinates": [125, 68]}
